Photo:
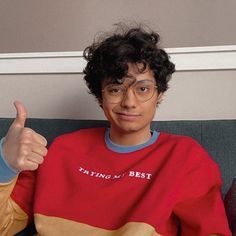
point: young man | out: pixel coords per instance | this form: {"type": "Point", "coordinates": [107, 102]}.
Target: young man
{"type": "Point", "coordinates": [123, 181]}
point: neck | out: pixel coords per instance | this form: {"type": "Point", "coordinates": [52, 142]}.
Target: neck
{"type": "Point", "coordinates": [130, 138]}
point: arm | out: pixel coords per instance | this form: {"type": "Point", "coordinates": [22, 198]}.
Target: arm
{"type": "Point", "coordinates": [204, 215]}
{"type": "Point", "coordinates": [200, 209]}
{"type": "Point", "coordinates": [12, 217]}
{"type": "Point", "coordinates": [22, 151]}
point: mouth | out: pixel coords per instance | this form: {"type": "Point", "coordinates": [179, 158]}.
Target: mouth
{"type": "Point", "coordinates": [128, 116]}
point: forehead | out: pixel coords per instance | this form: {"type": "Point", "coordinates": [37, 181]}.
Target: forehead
{"type": "Point", "coordinates": [137, 72]}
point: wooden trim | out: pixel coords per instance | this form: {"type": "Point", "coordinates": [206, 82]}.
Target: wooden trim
{"type": "Point", "coordinates": [185, 58]}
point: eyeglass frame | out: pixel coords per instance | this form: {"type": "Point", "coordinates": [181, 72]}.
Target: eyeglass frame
{"type": "Point", "coordinates": [124, 92]}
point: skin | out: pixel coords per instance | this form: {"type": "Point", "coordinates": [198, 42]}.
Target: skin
{"type": "Point", "coordinates": [23, 148]}
{"type": "Point", "coordinates": [130, 119]}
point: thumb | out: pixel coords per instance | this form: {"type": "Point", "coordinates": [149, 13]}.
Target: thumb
{"type": "Point", "coordinates": [21, 115]}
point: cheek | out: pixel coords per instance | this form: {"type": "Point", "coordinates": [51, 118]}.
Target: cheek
{"type": "Point", "coordinates": [107, 109]}
{"type": "Point", "coordinates": [151, 109]}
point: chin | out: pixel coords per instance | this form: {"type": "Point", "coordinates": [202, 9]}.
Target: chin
{"type": "Point", "coordinates": [126, 127]}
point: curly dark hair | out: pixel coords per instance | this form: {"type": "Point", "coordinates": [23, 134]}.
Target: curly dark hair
{"type": "Point", "coordinates": [108, 59]}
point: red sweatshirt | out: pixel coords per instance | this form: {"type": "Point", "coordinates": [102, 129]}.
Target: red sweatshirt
{"type": "Point", "coordinates": [86, 188]}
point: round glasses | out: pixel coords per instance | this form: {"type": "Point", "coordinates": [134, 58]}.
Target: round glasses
{"type": "Point", "coordinates": [143, 91]}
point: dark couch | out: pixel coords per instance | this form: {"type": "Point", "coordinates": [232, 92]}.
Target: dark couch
{"type": "Point", "coordinates": [217, 136]}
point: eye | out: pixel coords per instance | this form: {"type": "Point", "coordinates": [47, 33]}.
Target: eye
{"type": "Point", "coordinates": [114, 90]}
{"type": "Point", "coordinates": [142, 89]}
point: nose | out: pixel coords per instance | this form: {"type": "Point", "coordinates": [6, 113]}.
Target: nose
{"type": "Point", "coordinates": [129, 99]}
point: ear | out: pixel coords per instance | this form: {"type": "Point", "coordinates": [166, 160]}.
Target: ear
{"type": "Point", "coordinates": [100, 102]}
{"type": "Point", "coordinates": [159, 98]}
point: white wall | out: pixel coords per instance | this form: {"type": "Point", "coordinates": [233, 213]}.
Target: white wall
{"type": "Point", "coordinates": [201, 95]}
{"type": "Point", "coordinates": [202, 92]}
{"type": "Point", "coordinates": [49, 25]}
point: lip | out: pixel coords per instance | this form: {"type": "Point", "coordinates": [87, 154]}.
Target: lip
{"type": "Point", "coordinates": [128, 116]}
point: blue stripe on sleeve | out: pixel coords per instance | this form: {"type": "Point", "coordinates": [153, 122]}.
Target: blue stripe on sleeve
{"type": "Point", "coordinates": [6, 172]}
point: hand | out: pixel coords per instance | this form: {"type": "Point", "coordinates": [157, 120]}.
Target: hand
{"type": "Point", "coordinates": [23, 148]}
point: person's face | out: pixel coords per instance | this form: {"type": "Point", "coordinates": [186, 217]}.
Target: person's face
{"type": "Point", "coordinates": [130, 114]}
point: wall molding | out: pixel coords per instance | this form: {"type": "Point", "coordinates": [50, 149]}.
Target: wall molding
{"type": "Point", "coordinates": [185, 58]}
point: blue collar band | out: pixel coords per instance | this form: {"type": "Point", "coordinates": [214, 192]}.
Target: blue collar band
{"type": "Point", "coordinates": [127, 149]}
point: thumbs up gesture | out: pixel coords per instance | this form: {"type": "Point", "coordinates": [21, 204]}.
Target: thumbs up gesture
{"type": "Point", "coordinates": [23, 148]}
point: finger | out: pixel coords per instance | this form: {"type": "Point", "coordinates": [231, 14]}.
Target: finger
{"type": "Point", "coordinates": [40, 139]}
{"type": "Point", "coordinates": [39, 149]}
{"type": "Point", "coordinates": [30, 165]}
{"type": "Point", "coordinates": [35, 158]}
{"type": "Point", "coordinates": [21, 115]}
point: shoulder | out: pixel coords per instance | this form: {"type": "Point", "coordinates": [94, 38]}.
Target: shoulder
{"type": "Point", "coordinates": [199, 170]}
{"type": "Point", "coordinates": [73, 144]}
{"type": "Point", "coordinates": [179, 141]}
{"type": "Point", "coordinates": [82, 135]}
{"type": "Point", "coordinates": [175, 138]}
{"type": "Point", "coordinates": [187, 149]}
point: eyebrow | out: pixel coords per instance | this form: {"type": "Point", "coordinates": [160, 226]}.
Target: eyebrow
{"type": "Point", "coordinates": [127, 76]}
{"type": "Point", "coordinates": [144, 80]}
{"type": "Point", "coordinates": [133, 77]}
{"type": "Point", "coordinates": [130, 76]}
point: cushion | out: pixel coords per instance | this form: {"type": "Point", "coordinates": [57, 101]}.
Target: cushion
{"type": "Point", "coordinates": [230, 206]}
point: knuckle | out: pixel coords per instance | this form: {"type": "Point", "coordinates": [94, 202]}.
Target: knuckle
{"type": "Point", "coordinates": [33, 166]}
{"type": "Point", "coordinates": [45, 151]}
{"type": "Point", "coordinates": [21, 164]}
{"type": "Point", "coordinates": [23, 150]}
{"type": "Point", "coordinates": [40, 161]}
{"type": "Point", "coordinates": [41, 139]}
{"type": "Point", "coordinates": [27, 133]}
{"type": "Point", "coordinates": [25, 139]}
{"type": "Point", "coordinates": [27, 130]}
{"type": "Point", "coordinates": [45, 143]}
{"type": "Point", "coordinates": [29, 165]}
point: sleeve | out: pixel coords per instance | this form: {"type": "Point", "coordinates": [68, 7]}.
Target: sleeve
{"type": "Point", "coordinates": [6, 172]}
{"type": "Point", "coordinates": [16, 198]}
{"type": "Point", "coordinates": [200, 208]}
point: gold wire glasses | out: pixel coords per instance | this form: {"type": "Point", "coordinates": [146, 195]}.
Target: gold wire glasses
{"type": "Point", "coordinates": [143, 91]}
